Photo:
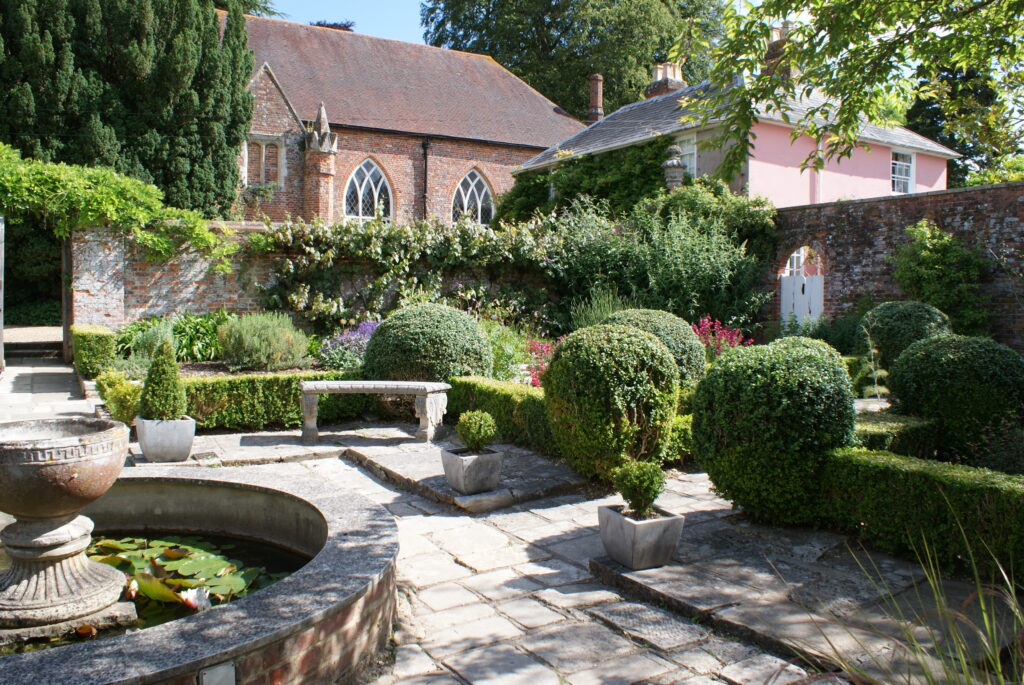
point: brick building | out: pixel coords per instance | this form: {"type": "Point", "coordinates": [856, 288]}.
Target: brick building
{"type": "Point", "coordinates": [346, 126]}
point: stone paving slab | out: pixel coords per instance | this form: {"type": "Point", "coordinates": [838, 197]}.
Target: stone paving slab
{"type": "Point", "coordinates": [526, 476]}
{"type": "Point", "coordinates": [656, 627]}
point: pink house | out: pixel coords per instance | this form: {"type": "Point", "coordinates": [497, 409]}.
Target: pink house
{"type": "Point", "coordinates": [895, 161]}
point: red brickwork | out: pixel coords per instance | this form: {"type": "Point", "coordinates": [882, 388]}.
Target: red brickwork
{"type": "Point", "coordinates": [334, 650]}
{"type": "Point", "coordinates": [855, 240]}
{"type": "Point", "coordinates": [310, 177]}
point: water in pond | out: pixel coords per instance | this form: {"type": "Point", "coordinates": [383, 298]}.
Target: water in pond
{"type": "Point", "coordinates": [173, 576]}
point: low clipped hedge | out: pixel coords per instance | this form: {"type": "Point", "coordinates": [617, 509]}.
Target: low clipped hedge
{"type": "Point", "coordinates": [972, 388]}
{"type": "Point", "coordinates": [894, 326]}
{"type": "Point", "coordinates": [427, 342]}
{"type": "Point", "coordinates": [95, 348]}
{"type": "Point", "coordinates": [677, 334]}
{"type": "Point", "coordinates": [907, 435]}
{"type": "Point", "coordinates": [611, 394]}
{"type": "Point", "coordinates": [261, 401]}
{"type": "Point", "coordinates": [763, 418]}
{"type": "Point", "coordinates": [896, 503]}
{"type": "Point", "coordinates": [517, 409]}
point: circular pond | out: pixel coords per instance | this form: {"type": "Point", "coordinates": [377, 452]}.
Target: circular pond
{"type": "Point", "coordinates": [322, 623]}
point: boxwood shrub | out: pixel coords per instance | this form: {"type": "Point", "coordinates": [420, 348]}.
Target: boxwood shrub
{"type": "Point", "coordinates": [518, 410]}
{"type": "Point", "coordinates": [968, 385]}
{"type": "Point", "coordinates": [911, 436]}
{"type": "Point", "coordinates": [261, 401]}
{"type": "Point", "coordinates": [893, 326]}
{"type": "Point", "coordinates": [897, 503]}
{"type": "Point", "coordinates": [677, 334]}
{"type": "Point", "coordinates": [764, 417]}
{"type": "Point", "coordinates": [681, 446]}
{"type": "Point", "coordinates": [611, 394]}
{"type": "Point", "coordinates": [427, 342]}
{"type": "Point", "coordinates": [94, 349]}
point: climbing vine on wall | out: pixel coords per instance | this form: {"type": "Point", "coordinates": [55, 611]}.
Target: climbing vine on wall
{"type": "Point", "coordinates": [621, 177]}
{"type": "Point", "coordinates": [61, 198]}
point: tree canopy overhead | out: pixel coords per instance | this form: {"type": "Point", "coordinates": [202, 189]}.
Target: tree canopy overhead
{"type": "Point", "coordinates": [151, 88]}
{"type": "Point", "coordinates": [555, 45]}
{"type": "Point", "coordinates": [859, 54]}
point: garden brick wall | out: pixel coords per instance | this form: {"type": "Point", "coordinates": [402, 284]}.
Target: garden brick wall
{"type": "Point", "coordinates": [855, 239]}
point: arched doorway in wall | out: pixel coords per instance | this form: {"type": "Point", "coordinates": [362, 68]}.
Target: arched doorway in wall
{"type": "Point", "coordinates": [802, 286]}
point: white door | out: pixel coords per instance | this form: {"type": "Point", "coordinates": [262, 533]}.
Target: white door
{"type": "Point", "coordinates": [803, 297]}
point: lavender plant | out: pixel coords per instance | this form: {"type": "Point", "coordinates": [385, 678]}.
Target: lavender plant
{"type": "Point", "coordinates": [345, 350]}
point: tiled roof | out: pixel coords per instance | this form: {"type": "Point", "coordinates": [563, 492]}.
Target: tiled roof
{"type": "Point", "coordinates": [384, 84]}
{"type": "Point", "coordinates": [660, 115]}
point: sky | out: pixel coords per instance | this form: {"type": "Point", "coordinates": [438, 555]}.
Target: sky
{"type": "Point", "coordinates": [398, 19]}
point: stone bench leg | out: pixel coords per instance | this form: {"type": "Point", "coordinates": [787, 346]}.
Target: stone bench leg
{"type": "Point", "coordinates": [310, 406]}
{"type": "Point", "coordinates": [430, 409]}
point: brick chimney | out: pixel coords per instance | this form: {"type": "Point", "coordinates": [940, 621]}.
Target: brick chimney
{"type": "Point", "coordinates": [665, 78]}
{"type": "Point", "coordinates": [596, 98]}
{"type": "Point", "coordinates": [321, 149]}
{"type": "Point", "coordinates": [774, 55]}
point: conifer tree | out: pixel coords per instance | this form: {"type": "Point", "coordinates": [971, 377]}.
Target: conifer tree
{"type": "Point", "coordinates": [153, 88]}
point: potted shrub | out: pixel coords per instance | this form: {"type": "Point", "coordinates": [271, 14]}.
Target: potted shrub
{"type": "Point", "coordinates": [474, 468]}
{"type": "Point", "coordinates": [642, 536]}
{"type": "Point", "coordinates": [165, 433]}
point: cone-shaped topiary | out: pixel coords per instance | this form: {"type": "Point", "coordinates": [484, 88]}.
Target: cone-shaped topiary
{"type": "Point", "coordinates": [427, 342]}
{"type": "Point", "coordinates": [476, 429]}
{"type": "Point", "coordinates": [639, 483]}
{"type": "Point", "coordinates": [677, 334]}
{"type": "Point", "coordinates": [763, 419]}
{"type": "Point", "coordinates": [163, 394]}
{"type": "Point", "coordinates": [611, 395]}
{"type": "Point", "coordinates": [893, 326]}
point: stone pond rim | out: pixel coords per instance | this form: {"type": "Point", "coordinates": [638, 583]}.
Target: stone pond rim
{"type": "Point", "coordinates": [325, 621]}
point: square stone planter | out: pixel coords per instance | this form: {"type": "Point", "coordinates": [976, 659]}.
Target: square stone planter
{"type": "Point", "coordinates": [162, 441]}
{"type": "Point", "coordinates": [472, 472]}
{"type": "Point", "coordinates": [639, 544]}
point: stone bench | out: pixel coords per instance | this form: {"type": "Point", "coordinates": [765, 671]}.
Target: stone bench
{"type": "Point", "coordinates": [431, 402]}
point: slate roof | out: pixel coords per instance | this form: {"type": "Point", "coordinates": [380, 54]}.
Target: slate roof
{"type": "Point", "coordinates": [660, 115]}
{"type": "Point", "coordinates": [384, 84]}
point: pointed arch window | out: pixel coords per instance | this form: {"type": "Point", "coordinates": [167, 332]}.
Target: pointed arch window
{"type": "Point", "coordinates": [368, 194]}
{"type": "Point", "coordinates": [473, 198]}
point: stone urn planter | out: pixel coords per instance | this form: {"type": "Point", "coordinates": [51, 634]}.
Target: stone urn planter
{"type": "Point", "coordinates": [639, 544]}
{"type": "Point", "coordinates": [162, 441]}
{"type": "Point", "coordinates": [49, 470]}
{"type": "Point", "coordinates": [473, 468]}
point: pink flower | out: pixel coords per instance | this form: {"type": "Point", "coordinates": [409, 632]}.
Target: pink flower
{"type": "Point", "coordinates": [718, 337]}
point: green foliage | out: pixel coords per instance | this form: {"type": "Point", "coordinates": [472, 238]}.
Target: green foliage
{"type": "Point", "coordinates": [476, 429]}
{"type": "Point", "coordinates": [595, 308]}
{"type": "Point", "coordinates": [170, 575]}
{"type": "Point", "coordinates": [843, 332]}
{"type": "Point", "coordinates": [263, 401]}
{"type": "Point", "coordinates": [32, 275]}
{"type": "Point", "coordinates": [60, 198]}
{"type": "Point", "coordinates": [508, 349]}
{"type": "Point", "coordinates": [151, 89]}
{"type": "Point", "coordinates": [621, 40]}
{"type": "Point", "coordinates": [518, 410]}
{"type": "Point", "coordinates": [39, 313]}
{"type": "Point", "coordinates": [680, 449]}
{"type": "Point", "coordinates": [763, 418]}
{"type": "Point", "coordinates": [94, 349]}
{"type": "Point", "coordinates": [639, 483]}
{"type": "Point", "coordinates": [611, 394]}
{"type": "Point", "coordinates": [266, 341]}
{"type": "Point", "coordinates": [427, 342]}
{"type": "Point", "coordinates": [163, 395]}
{"type": "Point", "coordinates": [964, 114]}
{"type": "Point", "coordinates": [892, 326]}
{"type": "Point", "coordinates": [907, 435]}
{"type": "Point", "coordinates": [858, 56]}
{"type": "Point", "coordinates": [900, 504]}
{"type": "Point", "coordinates": [120, 395]}
{"type": "Point", "coordinates": [967, 385]}
{"type": "Point", "coordinates": [936, 268]}
{"type": "Point", "coordinates": [620, 177]}
{"type": "Point", "coordinates": [678, 336]}
{"type": "Point", "coordinates": [688, 264]}
{"type": "Point", "coordinates": [1005, 170]}
{"type": "Point", "coordinates": [195, 335]}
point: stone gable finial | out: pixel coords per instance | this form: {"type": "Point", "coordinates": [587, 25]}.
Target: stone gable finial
{"type": "Point", "coordinates": [320, 139]}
